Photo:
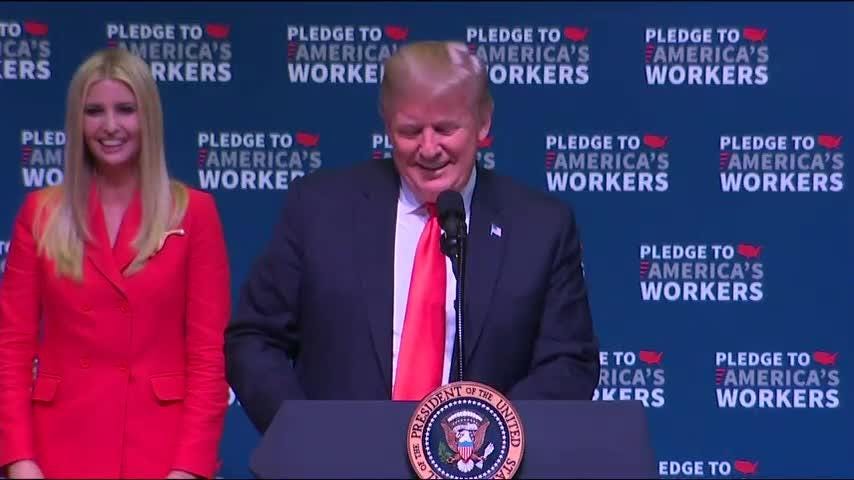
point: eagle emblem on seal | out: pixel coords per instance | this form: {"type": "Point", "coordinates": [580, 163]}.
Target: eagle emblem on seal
{"type": "Point", "coordinates": [465, 432]}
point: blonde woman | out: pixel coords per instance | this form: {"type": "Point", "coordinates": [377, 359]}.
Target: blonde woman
{"type": "Point", "coordinates": [114, 300]}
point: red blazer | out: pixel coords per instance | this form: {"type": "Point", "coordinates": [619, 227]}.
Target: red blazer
{"type": "Point", "coordinates": [130, 379]}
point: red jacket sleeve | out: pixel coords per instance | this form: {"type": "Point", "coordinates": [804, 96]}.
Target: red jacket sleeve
{"type": "Point", "coordinates": [20, 290]}
{"type": "Point", "coordinates": [208, 310]}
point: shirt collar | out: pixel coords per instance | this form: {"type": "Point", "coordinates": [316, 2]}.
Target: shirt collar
{"type": "Point", "coordinates": [408, 203]}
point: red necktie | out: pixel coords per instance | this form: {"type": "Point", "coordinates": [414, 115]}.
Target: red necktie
{"type": "Point", "coordinates": [421, 357]}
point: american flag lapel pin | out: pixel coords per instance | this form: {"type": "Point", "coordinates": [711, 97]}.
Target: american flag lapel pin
{"type": "Point", "coordinates": [495, 230]}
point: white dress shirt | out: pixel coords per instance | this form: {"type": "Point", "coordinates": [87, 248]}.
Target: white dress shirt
{"type": "Point", "coordinates": [411, 218]}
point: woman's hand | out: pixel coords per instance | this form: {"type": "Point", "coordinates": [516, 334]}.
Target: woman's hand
{"type": "Point", "coordinates": [24, 469]}
{"type": "Point", "coordinates": [180, 474]}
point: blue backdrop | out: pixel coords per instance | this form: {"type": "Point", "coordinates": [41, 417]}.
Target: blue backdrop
{"type": "Point", "coordinates": [704, 147]}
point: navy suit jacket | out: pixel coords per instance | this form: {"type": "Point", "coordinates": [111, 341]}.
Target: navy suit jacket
{"type": "Point", "coordinates": [314, 317]}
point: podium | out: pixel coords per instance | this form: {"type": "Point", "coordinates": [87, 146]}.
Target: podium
{"type": "Point", "coordinates": [367, 439]}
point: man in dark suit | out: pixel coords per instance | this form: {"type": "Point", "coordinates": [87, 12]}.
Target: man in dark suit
{"type": "Point", "coordinates": [353, 298]}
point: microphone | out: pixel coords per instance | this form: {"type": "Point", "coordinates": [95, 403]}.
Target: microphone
{"type": "Point", "coordinates": [452, 218]}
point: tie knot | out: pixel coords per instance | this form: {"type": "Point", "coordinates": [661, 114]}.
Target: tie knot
{"type": "Point", "coordinates": [431, 209]}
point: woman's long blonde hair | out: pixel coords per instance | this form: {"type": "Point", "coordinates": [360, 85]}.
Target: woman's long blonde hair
{"type": "Point", "coordinates": [65, 207]}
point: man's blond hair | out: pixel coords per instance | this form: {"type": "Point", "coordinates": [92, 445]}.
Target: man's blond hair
{"type": "Point", "coordinates": [435, 68]}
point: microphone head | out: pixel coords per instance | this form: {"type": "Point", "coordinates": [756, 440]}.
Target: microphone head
{"type": "Point", "coordinates": [452, 218]}
{"type": "Point", "coordinates": [451, 212]}
{"type": "Point", "coordinates": [450, 204]}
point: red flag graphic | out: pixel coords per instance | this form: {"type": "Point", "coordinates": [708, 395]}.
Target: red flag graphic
{"type": "Point", "coordinates": [485, 143]}
{"type": "Point", "coordinates": [396, 33]}
{"type": "Point", "coordinates": [754, 34]}
{"type": "Point", "coordinates": [747, 250]}
{"type": "Point", "coordinates": [830, 141]}
{"type": "Point", "coordinates": [825, 358]}
{"type": "Point", "coordinates": [654, 141]}
{"type": "Point", "coordinates": [650, 357]}
{"type": "Point", "coordinates": [576, 34]}
{"type": "Point", "coordinates": [307, 139]}
{"type": "Point", "coordinates": [217, 30]}
{"type": "Point", "coordinates": [746, 467]}
{"type": "Point", "coordinates": [35, 28]}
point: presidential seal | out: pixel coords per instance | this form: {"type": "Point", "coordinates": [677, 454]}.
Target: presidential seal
{"type": "Point", "coordinates": [465, 430]}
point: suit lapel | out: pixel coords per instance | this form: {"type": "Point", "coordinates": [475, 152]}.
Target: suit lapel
{"type": "Point", "coordinates": [98, 250]}
{"type": "Point", "coordinates": [485, 252]}
{"type": "Point", "coordinates": [123, 251]}
{"type": "Point", "coordinates": [374, 217]}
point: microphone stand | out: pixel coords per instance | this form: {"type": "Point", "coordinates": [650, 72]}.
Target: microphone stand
{"type": "Point", "coordinates": [459, 258]}
{"type": "Point", "coordinates": [455, 248]}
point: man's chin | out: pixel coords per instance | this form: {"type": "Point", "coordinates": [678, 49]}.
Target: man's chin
{"type": "Point", "coordinates": [428, 190]}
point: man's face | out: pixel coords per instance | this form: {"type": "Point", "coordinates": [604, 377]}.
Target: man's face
{"type": "Point", "coordinates": [435, 140]}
